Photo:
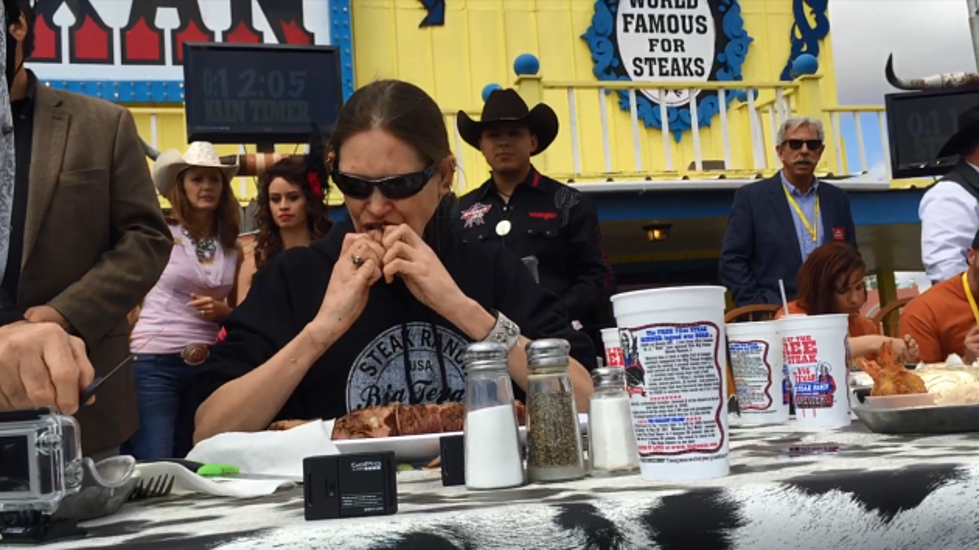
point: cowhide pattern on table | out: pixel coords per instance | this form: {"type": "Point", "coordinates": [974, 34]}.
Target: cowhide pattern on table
{"type": "Point", "coordinates": [877, 492]}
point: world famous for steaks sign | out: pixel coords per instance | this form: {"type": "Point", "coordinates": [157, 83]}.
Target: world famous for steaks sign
{"type": "Point", "coordinates": [669, 41]}
{"type": "Point", "coordinates": [141, 40]}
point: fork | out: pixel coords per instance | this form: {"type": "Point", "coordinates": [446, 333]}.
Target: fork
{"type": "Point", "coordinates": [156, 486]}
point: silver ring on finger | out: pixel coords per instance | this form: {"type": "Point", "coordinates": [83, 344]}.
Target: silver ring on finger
{"type": "Point", "coordinates": [358, 261]}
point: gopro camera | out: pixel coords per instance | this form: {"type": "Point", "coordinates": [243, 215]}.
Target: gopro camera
{"type": "Point", "coordinates": [40, 460]}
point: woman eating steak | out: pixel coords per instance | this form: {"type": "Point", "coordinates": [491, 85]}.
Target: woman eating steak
{"type": "Point", "coordinates": [381, 310]}
{"type": "Point", "coordinates": [832, 281]}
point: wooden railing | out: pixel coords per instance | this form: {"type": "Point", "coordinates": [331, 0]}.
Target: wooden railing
{"type": "Point", "coordinates": [600, 141]}
{"type": "Point", "coordinates": [739, 142]}
{"type": "Point", "coordinates": [859, 115]}
{"type": "Point", "coordinates": [751, 158]}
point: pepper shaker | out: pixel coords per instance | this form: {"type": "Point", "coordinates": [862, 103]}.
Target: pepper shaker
{"type": "Point", "coordinates": [553, 434]}
{"type": "Point", "coordinates": [493, 459]}
{"type": "Point", "coordinates": [612, 446]}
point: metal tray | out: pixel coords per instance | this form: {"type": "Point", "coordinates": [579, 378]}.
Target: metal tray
{"type": "Point", "coordinates": [920, 420]}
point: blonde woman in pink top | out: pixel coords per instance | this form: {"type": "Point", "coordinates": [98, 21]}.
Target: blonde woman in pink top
{"type": "Point", "coordinates": [181, 315]}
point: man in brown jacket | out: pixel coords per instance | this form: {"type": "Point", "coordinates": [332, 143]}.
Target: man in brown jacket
{"type": "Point", "coordinates": [87, 237]}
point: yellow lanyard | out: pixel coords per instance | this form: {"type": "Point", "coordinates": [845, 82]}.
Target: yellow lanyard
{"type": "Point", "coordinates": [813, 228]}
{"type": "Point", "coordinates": [968, 294]}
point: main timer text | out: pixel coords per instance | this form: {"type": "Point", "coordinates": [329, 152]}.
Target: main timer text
{"type": "Point", "coordinates": [255, 97]}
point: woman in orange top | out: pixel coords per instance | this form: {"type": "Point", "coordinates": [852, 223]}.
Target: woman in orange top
{"type": "Point", "coordinates": [832, 281]}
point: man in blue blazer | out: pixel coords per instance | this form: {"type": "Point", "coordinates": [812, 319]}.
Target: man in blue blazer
{"type": "Point", "coordinates": [776, 223]}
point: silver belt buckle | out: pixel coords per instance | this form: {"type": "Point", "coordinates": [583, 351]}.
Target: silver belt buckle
{"type": "Point", "coordinates": [195, 354]}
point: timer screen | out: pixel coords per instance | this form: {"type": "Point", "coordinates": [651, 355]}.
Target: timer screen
{"type": "Point", "coordinates": [260, 93]}
{"type": "Point", "coordinates": [919, 123]}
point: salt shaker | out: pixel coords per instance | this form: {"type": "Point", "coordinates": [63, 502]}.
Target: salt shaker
{"type": "Point", "coordinates": [612, 446]}
{"type": "Point", "coordinates": [493, 459]}
{"type": "Point", "coordinates": [553, 436]}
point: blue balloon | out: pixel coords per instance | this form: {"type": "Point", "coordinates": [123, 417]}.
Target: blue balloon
{"type": "Point", "coordinates": [526, 64]}
{"type": "Point", "coordinates": [488, 89]}
{"type": "Point", "coordinates": [805, 64]}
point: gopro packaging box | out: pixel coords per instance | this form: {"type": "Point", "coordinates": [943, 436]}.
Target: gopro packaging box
{"type": "Point", "coordinates": [350, 485]}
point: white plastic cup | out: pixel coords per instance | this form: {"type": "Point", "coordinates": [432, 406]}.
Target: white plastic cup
{"type": "Point", "coordinates": [760, 378]}
{"type": "Point", "coordinates": [675, 355]}
{"type": "Point", "coordinates": [814, 348]}
{"type": "Point", "coordinates": [613, 348]}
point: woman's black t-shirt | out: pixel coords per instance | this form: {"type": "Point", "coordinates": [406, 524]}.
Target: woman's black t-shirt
{"type": "Point", "coordinates": [399, 350]}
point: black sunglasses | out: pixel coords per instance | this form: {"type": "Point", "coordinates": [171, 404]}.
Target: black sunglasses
{"type": "Point", "coordinates": [392, 187]}
{"type": "Point", "coordinates": [811, 144]}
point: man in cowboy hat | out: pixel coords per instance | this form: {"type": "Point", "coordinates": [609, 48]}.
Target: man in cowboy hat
{"type": "Point", "coordinates": [551, 226]}
{"type": "Point", "coordinates": [87, 239]}
{"type": "Point", "coordinates": [949, 211]}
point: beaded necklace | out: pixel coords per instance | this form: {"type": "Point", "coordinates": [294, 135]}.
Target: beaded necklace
{"type": "Point", "coordinates": [205, 248]}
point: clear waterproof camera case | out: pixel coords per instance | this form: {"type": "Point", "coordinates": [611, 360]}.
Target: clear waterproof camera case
{"type": "Point", "coordinates": [40, 460]}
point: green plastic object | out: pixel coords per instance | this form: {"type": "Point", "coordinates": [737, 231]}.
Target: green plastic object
{"type": "Point", "coordinates": [213, 470]}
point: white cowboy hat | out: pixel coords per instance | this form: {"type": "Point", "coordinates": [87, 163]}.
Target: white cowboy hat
{"type": "Point", "coordinates": [170, 163]}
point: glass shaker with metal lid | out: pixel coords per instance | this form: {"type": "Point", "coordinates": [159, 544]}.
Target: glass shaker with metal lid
{"type": "Point", "coordinates": [553, 435]}
{"type": "Point", "coordinates": [612, 446]}
{"type": "Point", "coordinates": [493, 459]}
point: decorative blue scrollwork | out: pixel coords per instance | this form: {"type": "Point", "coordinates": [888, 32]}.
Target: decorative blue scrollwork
{"type": "Point", "coordinates": [805, 37]}
{"type": "Point", "coordinates": [436, 13]}
{"type": "Point", "coordinates": [601, 39]}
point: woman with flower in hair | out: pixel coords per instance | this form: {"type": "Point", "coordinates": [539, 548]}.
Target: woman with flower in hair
{"type": "Point", "coordinates": [291, 210]}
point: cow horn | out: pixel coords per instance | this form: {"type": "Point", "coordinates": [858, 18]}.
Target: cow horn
{"type": "Point", "coordinates": [149, 150]}
{"type": "Point", "coordinates": [938, 81]}
{"type": "Point", "coordinates": [255, 164]}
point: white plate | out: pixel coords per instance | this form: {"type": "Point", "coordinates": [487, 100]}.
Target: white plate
{"type": "Point", "coordinates": [415, 448]}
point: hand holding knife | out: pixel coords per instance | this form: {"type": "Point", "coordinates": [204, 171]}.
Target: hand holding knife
{"type": "Point", "coordinates": [89, 392]}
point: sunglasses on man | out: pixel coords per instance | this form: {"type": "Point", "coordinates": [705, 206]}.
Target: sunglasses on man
{"type": "Point", "coordinates": [811, 144]}
{"type": "Point", "coordinates": [394, 188]}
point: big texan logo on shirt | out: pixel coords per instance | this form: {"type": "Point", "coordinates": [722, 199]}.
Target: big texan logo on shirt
{"type": "Point", "coordinates": [378, 376]}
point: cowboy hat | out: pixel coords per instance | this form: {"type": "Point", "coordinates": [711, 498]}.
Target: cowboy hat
{"type": "Point", "coordinates": [966, 136]}
{"type": "Point", "coordinates": [508, 106]}
{"type": "Point", "coordinates": [171, 163]}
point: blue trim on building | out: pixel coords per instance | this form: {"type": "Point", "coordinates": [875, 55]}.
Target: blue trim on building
{"type": "Point", "coordinates": [869, 207]}
{"type": "Point", "coordinates": [157, 91]}
{"type": "Point", "coordinates": [807, 31]}
{"type": "Point", "coordinates": [341, 35]}
{"type": "Point", "coordinates": [136, 91]}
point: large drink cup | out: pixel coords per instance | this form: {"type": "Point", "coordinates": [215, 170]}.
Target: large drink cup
{"type": "Point", "coordinates": [814, 347]}
{"type": "Point", "coordinates": [613, 348]}
{"type": "Point", "coordinates": [675, 355]}
{"type": "Point", "coordinates": [762, 389]}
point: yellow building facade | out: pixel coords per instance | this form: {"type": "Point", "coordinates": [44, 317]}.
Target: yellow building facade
{"type": "Point", "coordinates": [607, 135]}
{"type": "Point", "coordinates": [480, 39]}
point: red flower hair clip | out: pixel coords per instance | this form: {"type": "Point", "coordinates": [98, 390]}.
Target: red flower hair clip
{"type": "Point", "coordinates": [314, 183]}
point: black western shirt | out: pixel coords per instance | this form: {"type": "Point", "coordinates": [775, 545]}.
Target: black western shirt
{"type": "Point", "coordinates": [552, 222]}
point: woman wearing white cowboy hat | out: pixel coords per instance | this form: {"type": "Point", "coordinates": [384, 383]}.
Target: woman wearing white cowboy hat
{"type": "Point", "coordinates": [181, 315]}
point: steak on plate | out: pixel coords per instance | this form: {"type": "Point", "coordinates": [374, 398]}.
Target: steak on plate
{"type": "Point", "coordinates": [398, 420]}
{"type": "Point", "coordinates": [367, 423]}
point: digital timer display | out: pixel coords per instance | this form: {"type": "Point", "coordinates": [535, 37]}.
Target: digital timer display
{"type": "Point", "coordinates": [919, 124]}
{"type": "Point", "coordinates": [260, 93]}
